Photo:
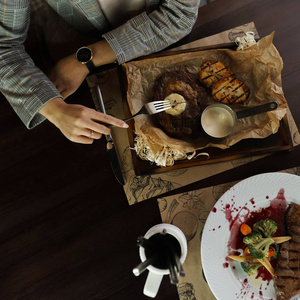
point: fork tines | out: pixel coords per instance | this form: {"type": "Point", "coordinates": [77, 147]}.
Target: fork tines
{"type": "Point", "coordinates": [163, 102]}
{"type": "Point", "coordinates": [162, 105]}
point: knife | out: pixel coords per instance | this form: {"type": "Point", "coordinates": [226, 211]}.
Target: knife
{"type": "Point", "coordinates": [111, 150]}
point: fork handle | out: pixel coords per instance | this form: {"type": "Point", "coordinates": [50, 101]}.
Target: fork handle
{"type": "Point", "coordinates": [131, 117]}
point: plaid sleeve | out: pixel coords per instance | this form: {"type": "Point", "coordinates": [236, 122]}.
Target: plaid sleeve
{"type": "Point", "coordinates": [146, 34]}
{"type": "Point", "coordinates": [25, 86]}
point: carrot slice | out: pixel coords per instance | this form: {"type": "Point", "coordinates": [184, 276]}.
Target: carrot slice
{"type": "Point", "coordinates": [272, 251]}
{"type": "Point", "coordinates": [245, 229]}
{"type": "Point", "coordinates": [246, 251]}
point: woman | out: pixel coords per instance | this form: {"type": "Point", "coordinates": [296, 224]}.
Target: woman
{"type": "Point", "coordinates": [36, 97]}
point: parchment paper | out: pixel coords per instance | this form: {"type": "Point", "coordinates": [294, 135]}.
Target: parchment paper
{"type": "Point", "coordinates": [140, 188]}
{"type": "Point", "coordinates": [258, 66]}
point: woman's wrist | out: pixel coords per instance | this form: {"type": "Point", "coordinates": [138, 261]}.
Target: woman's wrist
{"type": "Point", "coordinates": [102, 53]}
{"type": "Point", "coordinates": [51, 108]}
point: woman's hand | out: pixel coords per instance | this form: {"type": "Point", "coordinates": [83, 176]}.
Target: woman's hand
{"type": "Point", "coordinates": [67, 75]}
{"type": "Point", "coordinates": [78, 123]}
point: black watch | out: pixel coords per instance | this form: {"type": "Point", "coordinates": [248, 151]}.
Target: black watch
{"type": "Point", "coordinates": [85, 56]}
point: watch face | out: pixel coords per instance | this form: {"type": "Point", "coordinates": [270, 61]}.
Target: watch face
{"type": "Point", "coordinates": [84, 55]}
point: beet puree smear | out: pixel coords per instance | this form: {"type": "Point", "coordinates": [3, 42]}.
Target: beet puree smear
{"type": "Point", "coordinates": [236, 216]}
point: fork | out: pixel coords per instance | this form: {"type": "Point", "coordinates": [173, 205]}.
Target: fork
{"type": "Point", "coordinates": [151, 108]}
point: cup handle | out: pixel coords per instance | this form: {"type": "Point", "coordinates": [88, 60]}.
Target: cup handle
{"type": "Point", "coordinates": [152, 284]}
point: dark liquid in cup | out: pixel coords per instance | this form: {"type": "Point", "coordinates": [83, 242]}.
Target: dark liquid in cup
{"type": "Point", "coordinates": [162, 247]}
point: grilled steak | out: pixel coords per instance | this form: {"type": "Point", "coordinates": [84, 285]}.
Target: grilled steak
{"type": "Point", "coordinates": [187, 85]}
{"type": "Point", "coordinates": [287, 273]}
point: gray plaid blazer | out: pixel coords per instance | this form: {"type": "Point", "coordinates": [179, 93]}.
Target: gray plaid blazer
{"type": "Point", "coordinates": [27, 88]}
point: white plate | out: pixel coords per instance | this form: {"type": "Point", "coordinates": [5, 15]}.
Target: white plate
{"type": "Point", "coordinates": [229, 283]}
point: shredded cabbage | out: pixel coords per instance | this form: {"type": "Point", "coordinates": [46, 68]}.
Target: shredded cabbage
{"type": "Point", "coordinates": [246, 41]}
{"type": "Point", "coordinates": [165, 156]}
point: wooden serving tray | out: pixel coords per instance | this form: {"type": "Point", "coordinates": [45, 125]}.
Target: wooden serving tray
{"type": "Point", "coordinates": [248, 147]}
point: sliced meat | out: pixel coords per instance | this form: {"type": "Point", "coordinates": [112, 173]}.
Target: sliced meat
{"type": "Point", "coordinates": [287, 273]}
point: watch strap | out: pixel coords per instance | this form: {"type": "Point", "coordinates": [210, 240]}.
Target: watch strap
{"type": "Point", "coordinates": [90, 65]}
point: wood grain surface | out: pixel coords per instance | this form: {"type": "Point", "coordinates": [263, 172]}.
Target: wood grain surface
{"type": "Point", "coordinates": [66, 229]}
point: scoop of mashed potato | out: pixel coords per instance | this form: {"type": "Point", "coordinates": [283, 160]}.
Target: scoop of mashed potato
{"type": "Point", "coordinates": [178, 104]}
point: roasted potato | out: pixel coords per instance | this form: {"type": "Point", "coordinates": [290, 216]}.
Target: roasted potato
{"type": "Point", "coordinates": [211, 71]}
{"type": "Point", "coordinates": [230, 90]}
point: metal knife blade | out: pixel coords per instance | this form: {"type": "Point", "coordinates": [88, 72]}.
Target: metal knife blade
{"type": "Point", "coordinates": [111, 150]}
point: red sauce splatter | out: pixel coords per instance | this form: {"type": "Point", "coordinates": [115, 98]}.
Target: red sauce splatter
{"type": "Point", "coordinates": [233, 253]}
{"type": "Point", "coordinates": [225, 265]}
{"type": "Point", "coordinates": [275, 211]}
{"type": "Point", "coordinates": [245, 289]}
{"type": "Point", "coordinates": [214, 210]}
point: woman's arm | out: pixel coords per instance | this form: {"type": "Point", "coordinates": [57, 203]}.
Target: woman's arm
{"type": "Point", "coordinates": [149, 33]}
{"type": "Point", "coordinates": [144, 34]}
{"type": "Point", "coordinates": [68, 74]}
{"type": "Point", "coordinates": [24, 85]}
{"type": "Point", "coordinates": [30, 92]}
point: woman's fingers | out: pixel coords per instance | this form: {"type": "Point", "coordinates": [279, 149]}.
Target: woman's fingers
{"type": "Point", "coordinates": [83, 140]}
{"type": "Point", "coordinates": [64, 94]}
{"type": "Point", "coordinates": [87, 137]}
{"type": "Point", "coordinates": [93, 134]}
{"type": "Point", "coordinates": [90, 123]}
{"type": "Point", "coordinates": [107, 119]}
{"type": "Point", "coordinates": [78, 123]}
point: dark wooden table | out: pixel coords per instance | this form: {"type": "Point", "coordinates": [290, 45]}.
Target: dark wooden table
{"type": "Point", "coordinates": [66, 229]}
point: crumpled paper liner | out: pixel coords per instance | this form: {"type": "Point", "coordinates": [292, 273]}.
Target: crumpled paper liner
{"type": "Point", "coordinates": [140, 188]}
{"type": "Point", "coordinates": [258, 66]}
